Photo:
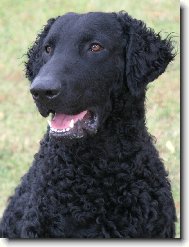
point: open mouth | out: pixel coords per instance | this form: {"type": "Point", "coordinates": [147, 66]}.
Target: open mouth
{"type": "Point", "coordinates": [73, 126]}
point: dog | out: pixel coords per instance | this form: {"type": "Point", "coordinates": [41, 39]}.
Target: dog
{"type": "Point", "coordinates": [97, 173]}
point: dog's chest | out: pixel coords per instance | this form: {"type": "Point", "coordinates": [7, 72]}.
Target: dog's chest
{"type": "Point", "coordinates": [78, 195]}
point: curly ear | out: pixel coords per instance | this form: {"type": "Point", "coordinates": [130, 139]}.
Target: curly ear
{"type": "Point", "coordinates": [34, 54]}
{"type": "Point", "coordinates": [147, 55]}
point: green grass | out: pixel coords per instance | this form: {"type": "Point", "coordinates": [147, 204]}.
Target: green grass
{"type": "Point", "coordinates": [21, 126]}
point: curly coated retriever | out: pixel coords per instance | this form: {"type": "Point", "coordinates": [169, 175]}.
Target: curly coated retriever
{"type": "Point", "coordinates": [97, 173]}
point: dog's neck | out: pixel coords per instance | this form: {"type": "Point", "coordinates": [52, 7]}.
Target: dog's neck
{"type": "Point", "coordinates": [127, 110]}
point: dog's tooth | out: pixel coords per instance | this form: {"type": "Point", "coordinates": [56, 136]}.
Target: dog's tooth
{"type": "Point", "coordinates": [67, 129]}
{"type": "Point", "coordinates": [72, 123]}
{"type": "Point", "coordinates": [49, 123]}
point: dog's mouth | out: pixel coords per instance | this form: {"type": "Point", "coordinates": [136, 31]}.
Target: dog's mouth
{"type": "Point", "coordinates": [73, 126]}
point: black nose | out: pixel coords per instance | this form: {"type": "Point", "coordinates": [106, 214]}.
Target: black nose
{"type": "Point", "coordinates": [44, 89]}
{"type": "Point", "coordinates": [38, 93]}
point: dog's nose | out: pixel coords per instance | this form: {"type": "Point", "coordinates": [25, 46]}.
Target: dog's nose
{"type": "Point", "coordinates": [38, 93]}
{"type": "Point", "coordinates": [44, 88]}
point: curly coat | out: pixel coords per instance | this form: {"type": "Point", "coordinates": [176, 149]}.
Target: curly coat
{"type": "Point", "coordinates": [112, 184]}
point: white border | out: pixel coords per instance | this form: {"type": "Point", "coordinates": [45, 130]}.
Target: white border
{"type": "Point", "coordinates": [185, 168]}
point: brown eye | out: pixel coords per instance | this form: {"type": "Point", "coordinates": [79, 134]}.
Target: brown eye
{"type": "Point", "coordinates": [96, 47]}
{"type": "Point", "coordinates": [48, 49]}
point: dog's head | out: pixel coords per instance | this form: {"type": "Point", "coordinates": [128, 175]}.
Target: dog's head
{"type": "Point", "coordinates": [79, 60]}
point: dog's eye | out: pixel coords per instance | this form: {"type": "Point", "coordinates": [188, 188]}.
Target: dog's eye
{"type": "Point", "coordinates": [96, 47]}
{"type": "Point", "coordinates": [48, 49]}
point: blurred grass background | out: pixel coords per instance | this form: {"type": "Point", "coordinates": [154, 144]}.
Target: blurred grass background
{"type": "Point", "coordinates": [21, 126]}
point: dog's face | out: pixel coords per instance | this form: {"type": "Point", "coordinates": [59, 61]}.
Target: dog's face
{"type": "Point", "coordinates": [75, 65]}
{"type": "Point", "coordinates": [80, 54]}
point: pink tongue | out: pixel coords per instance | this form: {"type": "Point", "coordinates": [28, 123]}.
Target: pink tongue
{"type": "Point", "coordinates": [62, 121]}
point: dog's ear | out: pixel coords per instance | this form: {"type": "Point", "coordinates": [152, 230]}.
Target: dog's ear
{"type": "Point", "coordinates": [34, 54]}
{"type": "Point", "coordinates": [146, 53]}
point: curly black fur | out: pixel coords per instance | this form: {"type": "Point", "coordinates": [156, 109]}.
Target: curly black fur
{"type": "Point", "coordinates": [112, 184]}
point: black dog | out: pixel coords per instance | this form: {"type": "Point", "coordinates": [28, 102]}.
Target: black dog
{"type": "Point", "coordinates": [97, 173]}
